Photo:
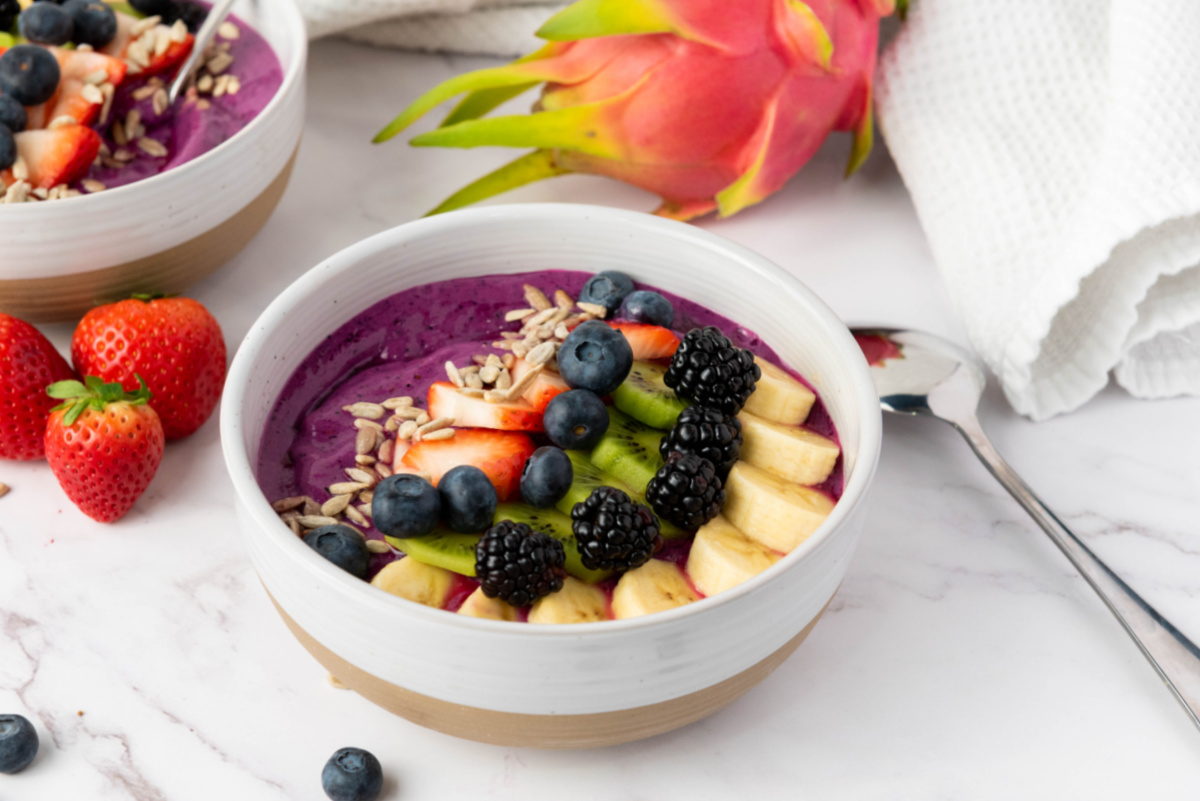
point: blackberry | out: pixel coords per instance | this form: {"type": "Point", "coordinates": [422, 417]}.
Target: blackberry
{"type": "Point", "coordinates": [614, 532]}
{"type": "Point", "coordinates": [686, 490]}
{"type": "Point", "coordinates": [518, 566]}
{"type": "Point", "coordinates": [708, 433]}
{"type": "Point", "coordinates": [709, 371]}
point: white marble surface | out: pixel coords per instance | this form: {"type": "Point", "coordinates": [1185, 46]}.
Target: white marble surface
{"type": "Point", "coordinates": [961, 659]}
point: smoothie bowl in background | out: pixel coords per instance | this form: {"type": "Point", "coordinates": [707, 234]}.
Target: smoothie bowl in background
{"type": "Point", "coordinates": [430, 287]}
{"type": "Point", "coordinates": [116, 191]}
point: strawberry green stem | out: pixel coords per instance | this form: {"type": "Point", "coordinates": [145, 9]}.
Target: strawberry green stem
{"type": "Point", "coordinates": [93, 393]}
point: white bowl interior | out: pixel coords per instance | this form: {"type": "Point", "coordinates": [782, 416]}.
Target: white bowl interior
{"type": "Point", "coordinates": [511, 239]}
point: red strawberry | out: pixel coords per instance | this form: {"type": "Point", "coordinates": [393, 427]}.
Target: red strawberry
{"type": "Point", "coordinates": [499, 454]}
{"type": "Point", "coordinates": [59, 156]}
{"type": "Point", "coordinates": [76, 67]}
{"type": "Point", "coordinates": [173, 342]}
{"type": "Point", "coordinates": [547, 384]}
{"type": "Point", "coordinates": [28, 364]}
{"type": "Point", "coordinates": [119, 48]}
{"type": "Point", "coordinates": [648, 341]}
{"type": "Point", "coordinates": [103, 444]}
{"type": "Point", "coordinates": [446, 401]}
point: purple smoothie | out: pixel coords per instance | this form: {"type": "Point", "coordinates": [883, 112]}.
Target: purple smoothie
{"type": "Point", "coordinates": [399, 346]}
{"type": "Point", "coordinates": [189, 131]}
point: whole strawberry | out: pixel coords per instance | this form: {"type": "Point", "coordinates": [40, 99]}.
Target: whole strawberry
{"type": "Point", "coordinates": [174, 343]}
{"type": "Point", "coordinates": [103, 444]}
{"type": "Point", "coordinates": [28, 364]}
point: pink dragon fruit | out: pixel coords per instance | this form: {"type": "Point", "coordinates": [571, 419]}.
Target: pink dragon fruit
{"type": "Point", "coordinates": [711, 104]}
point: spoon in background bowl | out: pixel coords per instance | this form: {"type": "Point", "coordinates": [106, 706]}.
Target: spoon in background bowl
{"type": "Point", "coordinates": [216, 15]}
{"type": "Point", "coordinates": [923, 375]}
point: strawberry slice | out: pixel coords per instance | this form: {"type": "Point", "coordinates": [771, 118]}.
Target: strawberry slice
{"type": "Point", "coordinates": [499, 454]}
{"type": "Point", "coordinates": [59, 156]}
{"type": "Point", "coordinates": [544, 387]}
{"type": "Point", "coordinates": [175, 53]}
{"type": "Point", "coordinates": [76, 67]}
{"type": "Point", "coordinates": [648, 341]}
{"type": "Point", "coordinates": [446, 401]}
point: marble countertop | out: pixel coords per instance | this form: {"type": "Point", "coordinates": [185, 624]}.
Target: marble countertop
{"type": "Point", "coordinates": [962, 657]}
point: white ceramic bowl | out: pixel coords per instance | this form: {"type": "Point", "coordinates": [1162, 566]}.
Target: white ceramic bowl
{"type": "Point", "coordinates": [569, 685]}
{"type": "Point", "coordinates": [162, 234]}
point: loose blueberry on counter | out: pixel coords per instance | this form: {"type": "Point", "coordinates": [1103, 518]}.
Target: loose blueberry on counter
{"type": "Point", "coordinates": [352, 774]}
{"type": "Point", "coordinates": [406, 506]}
{"type": "Point", "coordinates": [468, 498]}
{"type": "Point", "coordinates": [595, 356]}
{"type": "Point", "coordinates": [12, 114]}
{"type": "Point", "coordinates": [647, 306]}
{"type": "Point", "coordinates": [29, 74]}
{"type": "Point", "coordinates": [547, 476]}
{"type": "Point", "coordinates": [9, 10]}
{"type": "Point", "coordinates": [46, 23]}
{"type": "Point", "coordinates": [343, 546]}
{"type": "Point", "coordinates": [8, 148]}
{"type": "Point", "coordinates": [607, 289]}
{"type": "Point", "coordinates": [575, 419]}
{"type": "Point", "coordinates": [18, 743]}
{"type": "Point", "coordinates": [94, 22]}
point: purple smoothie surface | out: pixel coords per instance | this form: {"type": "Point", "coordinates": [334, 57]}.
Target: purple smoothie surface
{"type": "Point", "coordinates": [398, 347]}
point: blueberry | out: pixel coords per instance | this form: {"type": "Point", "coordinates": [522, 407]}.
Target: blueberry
{"type": "Point", "coordinates": [29, 73]}
{"type": "Point", "coordinates": [352, 774]}
{"type": "Point", "coordinates": [575, 419]}
{"type": "Point", "coordinates": [547, 476]}
{"type": "Point", "coordinates": [405, 506]}
{"type": "Point", "coordinates": [469, 498]}
{"type": "Point", "coordinates": [9, 9]}
{"type": "Point", "coordinates": [343, 546]}
{"type": "Point", "coordinates": [12, 114]}
{"type": "Point", "coordinates": [8, 148]}
{"type": "Point", "coordinates": [95, 23]}
{"type": "Point", "coordinates": [607, 289]}
{"type": "Point", "coordinates": [647, 306]}
{"type": "Point", "coordinates": [18, 743]}
{"type": "Point", "coordinates": [596, 357]}
{"type": "Point", "coordinates": [154, 8]}
{"type": "Point", "coordinates": [46, 23]}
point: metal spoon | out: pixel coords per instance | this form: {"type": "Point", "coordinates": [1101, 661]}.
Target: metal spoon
{"type": "Point", "coordinates": [216, 15]}
{"type": "Point", "coordinates": [920, 374]}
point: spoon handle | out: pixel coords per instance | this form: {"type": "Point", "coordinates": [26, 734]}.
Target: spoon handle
{"type": "Point", "coordinates": [1173, 655]}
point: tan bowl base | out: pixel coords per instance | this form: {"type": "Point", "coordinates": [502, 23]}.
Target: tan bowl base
{"type": "Point", "coordinates": [69, 297]}
{"type": "Point", "coordinates": [545, 731]}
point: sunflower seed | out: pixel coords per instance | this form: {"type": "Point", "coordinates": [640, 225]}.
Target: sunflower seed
{"type": "Point", "coordinates": [561, 331]}
{"type": "Point", "coordinates": [536, 298]}
{"type": "Point", "coordinates": [372, 411]}
{"type": "Point", "coordinates": [383, 470]}
{"type": "Point", "coordinates": [356, 516]}
{"type": "Point", "coordinates": [143, 25]}
{"type": "Point", "coordinates": [473, 369]}
{"type": "Point", "coordinates": [336, 505]}
{"type": "Point", "coordinates": [366, 496]}
{"type": "Point", "coordinates": [219, 63]}
{"type": "Point", "coordinates": [221, 86]}
{"type": "Point", "coordinates": [386, 451]}
{"type": "Point", "coordinates": [508, 335]}
{"type": "Point", "coordinates": [474, 381]}
{"type": "Point", "coordinates": [445, 433]}
{"type": "Point", "coordinates": [294, 525]}
{"type": "Point", "coordinates": [393, 404]}
{"type": "Point", "coordinates": [364, 441]}
{"type": "Point", "coordinates": [93, 186]}
{"type": "Point", "coordinates": [62, 121]}
{"type": "Point", "coordinates": [161, 102]}
{"type": "Point", "coordinates": [525, 383]}
{"type": "Point", "coordinates": [454, 375]}
{"type": "Point", "coordinates": [409, 413]}
{"type": "Point", "coordinates": [228, 30]}
{"type": "Point", "coordinates": [337, 683]}
{"type": "Point", "coordinates": [91, 94]}
{"type": "Point", "coordinates": [162, 40]}
{"type": "Point", "coordinates": [179, 32]}
{"type": "Point", "coordinates": [594, 309]}
{"type": "Point", "coordinates": [378, 546]}
{"type": "Point", "coordinates": [311, 507]}
{"type": "Point", "coordinates": [542, 353]}
{"type": "Point", "coordinates": [287, 504]}
{"type": "Point", "coordinates": [40, 193]}
{"type": "Point", "coordinates": [519, 349]}
{"type": "Point", "coordinates": [489, 373]}
{"type": "Point", "coordinates": [504, 345]}
{"type": "Point", "coordinates": [518, 314]}
{"type": "Point", "coordinates": [471, 392]}
{"type": "Point", "coordinates": [366, 422]}
{"type": "Point", "coordinates": [422, 418]}
{"type": "Point", "coordinates": [316, 521]}
{"type": "Point", "coordinates": [364, 459]}
{"type": "Point", "coordinates": [538, 319]}
{"type": "Point", "coordinates": [20, 169]}
{"type": "Point", "coordinates": [364, 509]}
{"type": "Point", "coordinates": [495, 395]}
{"type": "Point", "coordinates": [152, 147]}
{"type": "Point", "coordinates": [347, 487]}
{"type": "Point", "coordinates": [122, 155]}
{"type": "Point", "coordinates": [435, 425]}
{"type": "Point", "coordinates": [136, 55]}
{"type": "Point", "coordinates": [362, 475]}
{"type": "Point", "coordinates": [393, 424]}
{"type": "Point", "coordinates": [205, 84]}
{"type": "Point", "coordinates": [508, 360]}
{"type": "Point", "coordinates": [203, 105]}
{"type": "Point", "coordinates": [84, 48]}
{"type": "Point", "coordinates": [364, 524]}
{"type": "Point", "coordinates": [504, 380]}
{"type": "Point", "coordinates": [3, 490]}
{"type": "Point", "coordinates": [380, 438]}
{"type": "Point", "coordinates": [144, 92]}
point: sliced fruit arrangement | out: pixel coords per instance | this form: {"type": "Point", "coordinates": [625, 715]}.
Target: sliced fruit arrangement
{"type": "Point", "coordinates": [649, 441]}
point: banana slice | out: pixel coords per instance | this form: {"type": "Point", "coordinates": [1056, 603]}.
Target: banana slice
{"type": "Point", "coordinates": [576, 602]}
{"type": "Point", "coordinates": [792, 453]}
{"type": "Point", "coordinates": [654, 587]}
{"type": "Point", "coordinates": [416, 581]}
{"type": "Point", "coordinates": [479, 605]}
{"type": "Point", "coordinates": [769, 510]}
{"type": "Point", "coordinates": [779, 397]}
{"type": "Point", "coordinates": [723, 557]}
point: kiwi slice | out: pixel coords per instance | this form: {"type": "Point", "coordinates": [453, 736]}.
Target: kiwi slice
{"type": "Point", "coordinates": [644, 396]}
{"type": "Point", "coordinates": [628, 450]}
{"type": "Point", "coordinates": [588, 476]}
{"type": "Point", "coordinates": [557, 525]}
{"type": "Point", "coordinates": [442, 548]}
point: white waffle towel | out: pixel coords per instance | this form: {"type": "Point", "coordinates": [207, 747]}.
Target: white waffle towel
{"type": "Point", "coordinates": [490, 27]}
{"type": "Point", "coordinates": [1052, 149]}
